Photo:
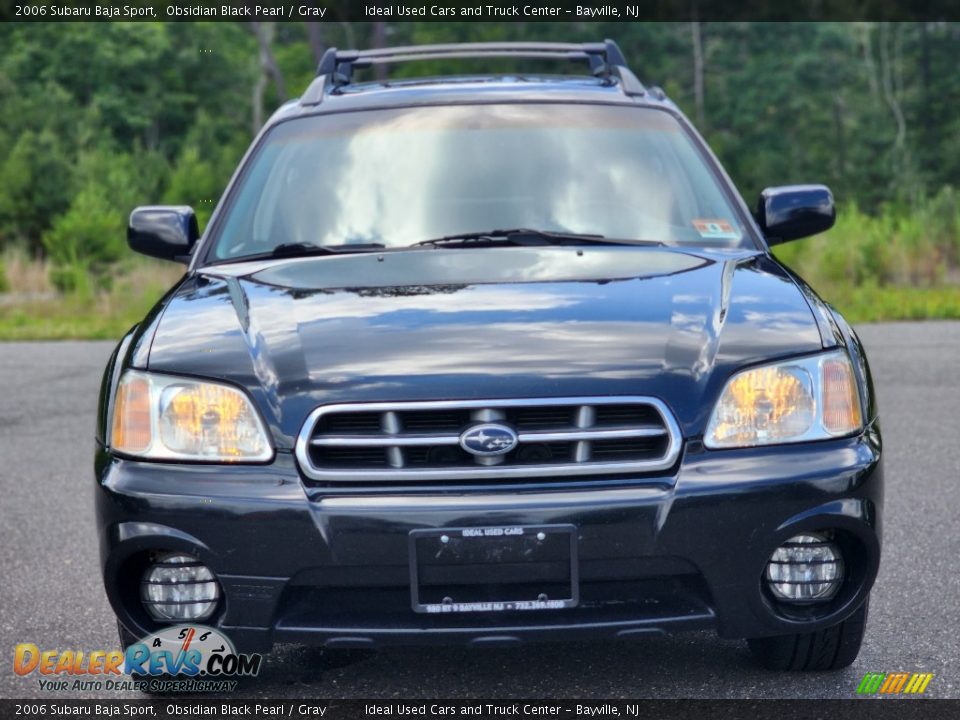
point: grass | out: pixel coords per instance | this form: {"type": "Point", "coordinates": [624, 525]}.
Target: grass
{"type": "Point", "coordinates": [31, 309]}
{"type": "Point", "coordinates": [42, 314]}
{"type": "Point", "coordinates": [870, 303]}
{"type": "Point", "coordinates": [895, 265]}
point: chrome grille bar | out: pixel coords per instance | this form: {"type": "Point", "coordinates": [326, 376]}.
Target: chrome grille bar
{"type": "Point", "coordinates": [390, 422]}
{"type": "Point", "coordinates": [561, 441]}
{"type": "Point", "coordinates": [586, 417]}
{"type": "Point", "coordinates": [380, 441]}
{"type": "Point", "coordinates": [427, 440]}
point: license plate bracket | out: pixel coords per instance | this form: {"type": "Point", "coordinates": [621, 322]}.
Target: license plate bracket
{"type": "Point", "coordinates": [494, 569]}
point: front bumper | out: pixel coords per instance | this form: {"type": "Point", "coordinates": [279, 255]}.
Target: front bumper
{"type": "Point", "coordinates": [684, 552]}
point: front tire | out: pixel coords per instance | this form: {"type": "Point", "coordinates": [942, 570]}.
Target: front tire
{"type": "Point", "coordinates": [832, 648]}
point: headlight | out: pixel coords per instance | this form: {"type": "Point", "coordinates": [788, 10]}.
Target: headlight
{"type": "Point", "coordinates": [161, 417]}
{"type": "Point", "coordinates": [812, 398]}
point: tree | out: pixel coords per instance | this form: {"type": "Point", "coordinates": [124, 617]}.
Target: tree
{"type": "Point", "coordinates": [35, 182]}
{"type": "Point", "coordinates": [269, 71]}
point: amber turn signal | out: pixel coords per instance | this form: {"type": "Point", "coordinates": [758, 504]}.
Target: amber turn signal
{"type": "Point", "coordinates": [841, 402]}
{"type": "Point", "coordinates": [132, 425]}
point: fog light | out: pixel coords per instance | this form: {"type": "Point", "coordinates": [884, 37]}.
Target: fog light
{"type": "Point", "coordinates": [179, 587]}
{"type": "Point", "coordinates": [805, 568]}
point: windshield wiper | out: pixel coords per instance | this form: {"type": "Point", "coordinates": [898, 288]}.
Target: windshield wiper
{"type": "Point", "coordinates": [525, 237]}
{"type": "Point", "coordinates": [292, 250]}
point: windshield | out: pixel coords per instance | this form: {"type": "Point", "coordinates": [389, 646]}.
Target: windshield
{"type": "Point", "coordinates": [403, 176]}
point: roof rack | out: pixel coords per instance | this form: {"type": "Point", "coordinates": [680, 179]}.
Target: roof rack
{"type": "Point", "coordinates": [605, 60]}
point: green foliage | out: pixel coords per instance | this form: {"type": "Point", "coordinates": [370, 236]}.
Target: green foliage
{"type": "Point", "coordinates": [917, 248]}
{"type": "Point", "coordinates": [4, 283]}
{"type": "Point", "coordinates": [89, 237]}
{"type": "Point", "coordinates": [203, 167]}
{"type": "Point", "coordinates": [194, 182]}
{"type": "Point", "coordinates": [33, 187]}
{"type": "Point", "coordinates": [105, 315]}
{"type": "Point", "coordinates": [98, 118]}
{"type": "Point", "coordinates": [895, 265]}
{"type": "Point", "coordinates": [870, 303]}
{"type": "Point", "coordinates": [84, 242]}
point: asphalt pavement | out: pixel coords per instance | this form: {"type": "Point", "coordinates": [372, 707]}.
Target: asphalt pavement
{"type": "Point", "coordinates": [51, 593]}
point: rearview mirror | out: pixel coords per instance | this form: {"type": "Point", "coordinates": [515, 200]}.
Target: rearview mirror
{"type": "Point", "coordinates": [795, 211]}
{"type": "Point", "coordinates": [165, 232]}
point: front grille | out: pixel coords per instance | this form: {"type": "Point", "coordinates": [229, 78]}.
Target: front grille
{"type": "Point", "coordinates": [421, 441]}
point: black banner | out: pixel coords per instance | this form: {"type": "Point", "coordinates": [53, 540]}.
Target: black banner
{"type": "Point", "coordinates": [483, 11]}
{"type": "Point", "coordinates": [863, 709]}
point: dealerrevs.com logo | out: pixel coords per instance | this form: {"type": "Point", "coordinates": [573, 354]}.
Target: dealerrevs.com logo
{"type": "Point", "coordinates": [183, 658]}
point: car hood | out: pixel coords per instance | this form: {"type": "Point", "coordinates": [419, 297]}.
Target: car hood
{"type": "Point", "coordinates": [483, 323]}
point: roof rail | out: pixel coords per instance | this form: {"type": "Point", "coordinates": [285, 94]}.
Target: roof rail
{"type": "Point", "coordinates": [605, 60]}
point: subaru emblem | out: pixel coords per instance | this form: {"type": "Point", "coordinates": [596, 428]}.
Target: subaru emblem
{"type": "Point", "coordinates": [488, 439]}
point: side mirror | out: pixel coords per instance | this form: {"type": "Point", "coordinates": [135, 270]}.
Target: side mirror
{"type": "Point", "coordinates": [795, 211]}
{"type": "Point", "coordinates": [165, 232]}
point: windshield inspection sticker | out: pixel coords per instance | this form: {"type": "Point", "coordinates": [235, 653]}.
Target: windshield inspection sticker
{"type": "Point", "coordinates": [716, 229]}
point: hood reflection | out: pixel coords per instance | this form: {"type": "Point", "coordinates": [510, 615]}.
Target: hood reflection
{"type": "Point", "coordinates": [673, 335]}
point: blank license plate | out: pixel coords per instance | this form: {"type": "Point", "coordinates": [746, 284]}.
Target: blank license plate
{"type": "Point", "coordinates": [494, 569]}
